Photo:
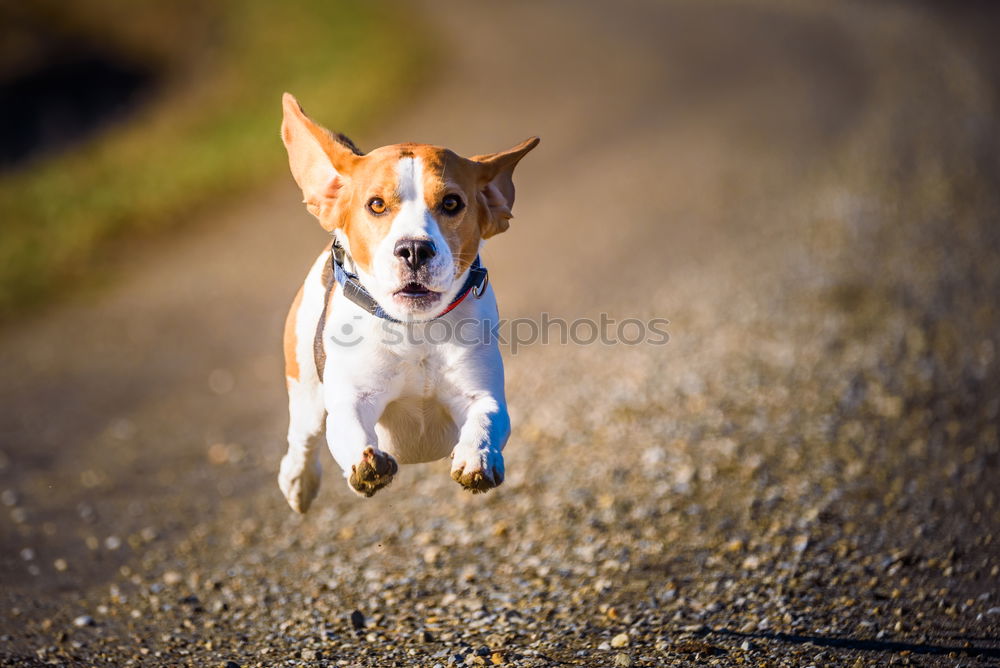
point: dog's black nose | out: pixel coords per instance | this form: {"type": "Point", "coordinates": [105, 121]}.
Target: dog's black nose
{"type": "Point", "coordinates": [414, 252]}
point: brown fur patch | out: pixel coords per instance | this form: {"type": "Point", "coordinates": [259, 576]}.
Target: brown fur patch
{"type": "Point", "coordinates": [291, 338]}
{"type": "Point", "coordinates": [446, 173]}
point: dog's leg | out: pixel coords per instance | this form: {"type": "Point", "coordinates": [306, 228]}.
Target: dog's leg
{"type": "Point", "coordinates": [350, 434]}
{"type": "Point", "coordinates": [477, 462]}
{"type": "Point", "coordinates": [300, 471]}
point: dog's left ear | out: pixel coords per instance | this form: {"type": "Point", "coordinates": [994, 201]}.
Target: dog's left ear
{"type": "Point", "coordinates": [496, 194]}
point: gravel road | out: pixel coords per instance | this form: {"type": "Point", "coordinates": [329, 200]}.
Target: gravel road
{"type": "Point", "coordinates": [806, 474]}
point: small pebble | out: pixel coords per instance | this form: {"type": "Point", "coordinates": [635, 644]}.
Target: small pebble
{"type": "Point", "coordinates": [83, 620]}
{"type": "Point", "coordinates": [620, 640]}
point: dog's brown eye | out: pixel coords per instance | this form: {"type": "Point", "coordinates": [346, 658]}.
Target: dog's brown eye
{"type": "Point", "coordinates": [376, 205]}
{"type": "Point", "coordinates": [452, 204]}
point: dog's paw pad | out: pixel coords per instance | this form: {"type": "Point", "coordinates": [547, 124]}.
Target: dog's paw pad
{"type": "Point", "coordinates": [373, 472]}
{"type": "Point", "coordinates": [478, 479]}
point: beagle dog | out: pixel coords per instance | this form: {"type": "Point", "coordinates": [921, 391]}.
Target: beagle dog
{"type": "Point", "coordinates": [408, 222]}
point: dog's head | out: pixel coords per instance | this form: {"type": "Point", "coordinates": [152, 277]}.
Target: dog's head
{"type": "Point", "coordinates": [411, 216]}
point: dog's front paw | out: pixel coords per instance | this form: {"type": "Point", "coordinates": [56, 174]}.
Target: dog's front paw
{"type": "Point", "coordinates": [373, 472]}
{"type": "Point", "coordinates": [478, 471]}
{"type": "Point", "coordinates": [299, 481]}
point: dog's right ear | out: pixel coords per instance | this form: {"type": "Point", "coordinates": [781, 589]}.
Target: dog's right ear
{"type": "Point", "coordinates": [497, 195]}
{"type": "Point", "coordinates": [320, 161]}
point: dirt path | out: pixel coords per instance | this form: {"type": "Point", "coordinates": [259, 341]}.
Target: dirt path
{"type": "Point", "coordinates": [805, 474]}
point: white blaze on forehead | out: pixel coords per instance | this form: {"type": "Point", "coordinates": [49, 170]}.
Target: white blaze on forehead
{"type": "Point", "coordinates": [410, 185]}
{"type": "Point", "coordinates": [413, 219]}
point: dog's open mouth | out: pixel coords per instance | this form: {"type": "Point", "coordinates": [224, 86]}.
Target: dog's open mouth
{"type": "Point", "coordinates": [414, 291]}
{"type": "Point", "coordinates": [416, 295]}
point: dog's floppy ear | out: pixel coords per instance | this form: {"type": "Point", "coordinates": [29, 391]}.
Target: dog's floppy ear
{"type": "Point", "coordinates": [496, 195]}
{"type": "Point", "coordinates": [319, 160]}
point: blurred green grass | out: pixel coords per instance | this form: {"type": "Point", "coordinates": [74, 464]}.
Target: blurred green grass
{"type": "Point", "coordinates": [209, 133]}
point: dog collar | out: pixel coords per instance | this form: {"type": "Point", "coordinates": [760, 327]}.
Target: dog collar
{"type": "Point", "coordinates": [475, 284]}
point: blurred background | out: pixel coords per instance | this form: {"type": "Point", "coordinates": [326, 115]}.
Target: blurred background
{"type": "Point", "coordinates": [124, 120]}
{"type": "Point", "coordinates": [806, 473]}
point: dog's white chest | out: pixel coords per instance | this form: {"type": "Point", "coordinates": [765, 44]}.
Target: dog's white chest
{"type": "Point", "coordinates": [417, 425]}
